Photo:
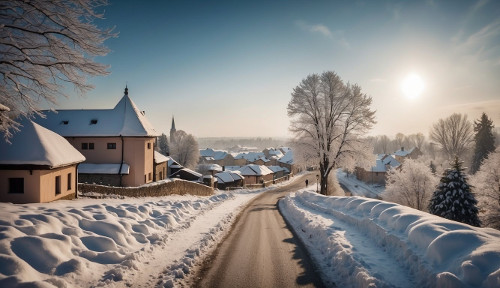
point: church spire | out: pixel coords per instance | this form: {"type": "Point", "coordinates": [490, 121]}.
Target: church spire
{"type": "Point", "coordinates": [126, 90]}
{"type": "Point", "coordinates": [172, 131]}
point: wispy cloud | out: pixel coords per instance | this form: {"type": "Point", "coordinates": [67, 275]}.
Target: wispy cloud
{"type": "Point", "coordinates": [337, 35]}
{"type": "Point", "coordinates": [316, 28]}
{"type": "Point", "coordinates": [378, 80]}
{"type": "Point", "coordinates": [480, 45]}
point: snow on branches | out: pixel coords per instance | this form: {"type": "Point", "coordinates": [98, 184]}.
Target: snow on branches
{"type": "Point", "coordinates": [328, 118]}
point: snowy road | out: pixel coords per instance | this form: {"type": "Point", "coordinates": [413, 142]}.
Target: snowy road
{"type": "Point", "coordinates": [261, 251]}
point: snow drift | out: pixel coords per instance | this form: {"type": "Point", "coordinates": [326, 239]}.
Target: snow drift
{"type": "Point", "coordinates": [360, 242]}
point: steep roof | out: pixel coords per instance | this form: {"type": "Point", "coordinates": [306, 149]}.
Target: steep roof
{"type": "Point", "coordinates": [124, 119]}
{"type": "Point", "coordinates": [383, 161]}
{"type": "Point", "coordinates": [255, 170]}
{"type": "Point", "coordinates": [36, 145]}
{"type": "Point", "coordinates": [287, 158]}
{"type": "Point", "coordinates": [229, 176]}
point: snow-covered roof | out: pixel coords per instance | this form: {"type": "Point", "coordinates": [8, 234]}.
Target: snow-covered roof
{"type": "Point", "coordinates": [383, 161]}
{"type": "Point", "coordinates": [160, 158]}
{"type": "Point", "coordinates": [125, 119]}
{"type": "Point", "coordinates": [214, 167]}
{"type": "Point", "coordinates": [214, 154]}
{"type": "Point", "coordinates": [36, 145]}
{"type": "Point", "coordinates": [287, 158]}
{"type": "Point", "coordinates": [90, 168]}
{"type": "Point", "coordinates": [250, 156]}
{"type": "Point", "coordinates": [229, 176]}
{"type": "Point", "coordinates": [188, 171]}
{"type": "Point", "coordinates": [278, 168]}
{"type": "Point", "coordinates": [255, 170]}
{"type": "Point", "coordinates": [401, 152]}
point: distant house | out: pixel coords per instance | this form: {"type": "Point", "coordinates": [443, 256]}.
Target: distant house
{"type": "Point", "coordinates": [219, 157]}
{"type": "Point", "coordinates": [403, 154]}
{"type": "Point", "coordinates": [160, 166]}
{"type": "Point", "coordinates": [187, 174]}
{"type": "Point", "coordinates": [378, 173]}
{"type": "Point", "coordinates": [288, 162]}
{"type": "Point", "coordinates": [279, 171]}
{"type": "Point", "coordinates": [262, 161]}
{"type": "Point", "coordinates": [229, 179]}
{"type": "Point", "coordinates": [38, 166]}
{"type": "Point", "coordinates": [256, 174]}
{"type": "Point", "coordinates": [118, 141]}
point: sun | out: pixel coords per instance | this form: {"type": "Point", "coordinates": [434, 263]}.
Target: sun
{"type": "Point", "coordinates": [412, 86]}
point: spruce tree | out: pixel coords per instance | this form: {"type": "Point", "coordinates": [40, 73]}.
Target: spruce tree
{"type": "Point", "coordinates": [163, 144]}
{"type": "Point", "coordinates": [485, 141]}
{"type": "Point", "coordinates": [453, 198]}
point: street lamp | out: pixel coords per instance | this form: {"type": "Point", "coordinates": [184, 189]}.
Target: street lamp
{"type": "Point", "coordinates": [317, 179]}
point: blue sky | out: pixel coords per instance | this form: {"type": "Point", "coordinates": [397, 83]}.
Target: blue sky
{"type": "Point", "coordinates": [227, 68]}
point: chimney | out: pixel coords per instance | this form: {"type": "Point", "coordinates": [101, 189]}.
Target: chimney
{"type": "Point", "coordinates": [402, 148]}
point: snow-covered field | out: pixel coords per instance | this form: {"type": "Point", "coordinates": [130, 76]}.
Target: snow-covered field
{"type": "Point", "coordinates": [134, 242]}
{"type": "Point", "coordinates": [360, 242]}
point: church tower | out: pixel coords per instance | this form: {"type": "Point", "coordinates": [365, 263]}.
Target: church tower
{"type": "Point", "coordinates": [172, 131]}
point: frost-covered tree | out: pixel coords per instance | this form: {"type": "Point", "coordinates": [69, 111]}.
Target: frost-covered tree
{"type": "Point", "coordinates": [484, 141]}
{"type": "Point", "coordinates": [327, 119]}
{"type": "Point", "coordinates": [382, 145]}
{"type": "Point", "coordinates": [487, 189]}
{"type": "Point", "coordinates": [454, 134]}
{"type": "Point", "coordinates": [185, 149]}
{"type": "Point", "coordinates": [411, 186]}
{"type": "Point", "coordinates": [44, 46]}
{"type": "Point", "coordinates": [163, 144]}
{"type": "Point", "coordinates": [453, 198]}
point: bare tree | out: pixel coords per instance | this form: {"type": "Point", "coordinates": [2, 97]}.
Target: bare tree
{"type": "Point", "coordinates": [454, 134]}
{"type": "Point", "coordinates": [384, 144]}
{"type": "Point", "coordinates": [185, 149]}
{"type": "Point", "coordinates": [487, 190]}
{"type": "Point", "coordinates": [400, 140]}
{"type": "Point", "coordinates": [46, 45]}
{"type": "Point", "coordinates": [328, 117]}
{"type": "Point", "coordinates": [412, 185]}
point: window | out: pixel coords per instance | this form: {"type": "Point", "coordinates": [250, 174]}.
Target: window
{"type": "Point", "coordinates": [161, 175]}
{"type": "Point", "coordinates": [69, 181]}
{"type": "Point", "coordinates": [91, 146]}
{"type": "Point", "coordinates": [111, 145]}
{"type": "Point", "coordinates": [85, 146]}
{"type": "Point", "coordinates": [149, 145]}
{"type": "Point", "coordinates": [16, 185]}
{"type": "Point", "coordinates": [58, 185]}
{"type": "Point", "coordinates": [150, 176]}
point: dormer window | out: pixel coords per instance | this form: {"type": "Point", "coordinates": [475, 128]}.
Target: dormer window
{"type": "Point", "coordinates": [93, 121]}
{"type": "Point", "coordinates": [65, 122]}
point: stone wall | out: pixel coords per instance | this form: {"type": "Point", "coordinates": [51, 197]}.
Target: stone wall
{"type": "Point", "coordinates": [162, 188]}
{"type": "Point", "coordinates": [99, 179]}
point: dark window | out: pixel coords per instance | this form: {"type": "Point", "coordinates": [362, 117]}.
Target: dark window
{"type": "Point", "coordinates": [16, 185]}
{"type": "Point", "coordinates": [58, 185]}
{"type": "Point", "coordinates": [149, 176]}
{"type": "Point", "coordinates": [85, 146]}
{"type": "Point", "coordinates": [149, 145]}
{"type": "Point", "coordinates": [69, 181]}
{"type": "Point", "coordinates": [161, 175]}
{"type": "Point", "coordinates": [93, 121]}
{"type": "Point", "coordinates": [91, 146]}
{"type": "Point", "coordinates": [111, 145]}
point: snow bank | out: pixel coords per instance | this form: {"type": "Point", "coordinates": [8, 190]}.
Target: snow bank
{"type": "Point", "coordinates": [360, 242]}
{"type": "Point", "coordinates": [110, 242]}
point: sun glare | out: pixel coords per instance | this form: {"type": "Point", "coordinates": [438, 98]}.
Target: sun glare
{"type": "Point", "coordinates": [412, 86]}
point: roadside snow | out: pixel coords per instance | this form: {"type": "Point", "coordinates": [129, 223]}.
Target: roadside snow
{"type": "Point", "coordinates": [360, 242]}
{"type": "Point", "coordinates": [359, 188]}
{"type": "Point", "coordinates": [139, 242]}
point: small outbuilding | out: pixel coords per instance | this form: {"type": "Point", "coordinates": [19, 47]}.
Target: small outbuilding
{"type": "Point", "coordinates": [37, 166]}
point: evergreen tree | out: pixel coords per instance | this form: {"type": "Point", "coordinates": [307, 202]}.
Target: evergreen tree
{"type": "Point", "coordinates": [163, 144]}
{"type": "Point", "coordinates": [485, 141]}
{"type": "Point", "coordinates": [453, 198]}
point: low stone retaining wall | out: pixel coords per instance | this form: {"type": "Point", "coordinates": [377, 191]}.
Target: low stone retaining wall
{"type": "Point", "coordinates": [162, 188]}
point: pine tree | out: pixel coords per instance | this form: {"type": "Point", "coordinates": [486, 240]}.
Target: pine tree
{"type": "Point", "coordinates": [453, 198]}
{"type": "Point", "coordinates": [485, 141]}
